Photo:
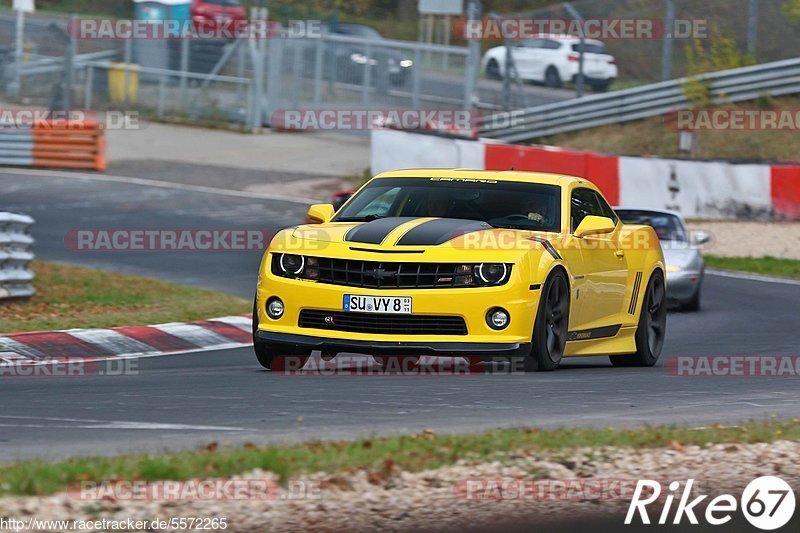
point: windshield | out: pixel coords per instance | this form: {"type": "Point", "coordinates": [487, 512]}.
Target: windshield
{"type": "Point", "coordinates": [516, 205]}
{"type": "Point", "coordinates": [359, 31]}
{"type": "Point", "coordinates": [668, 227]}
{"type": "Point", "coordinates": [590, 48]}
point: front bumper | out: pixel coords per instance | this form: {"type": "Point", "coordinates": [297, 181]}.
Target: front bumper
{"type": "Point", "coordinates": [472, 304]}
{"type": "Point", "coordinates": [448, 349]}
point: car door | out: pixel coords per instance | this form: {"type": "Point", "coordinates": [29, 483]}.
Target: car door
{"type": "Point", "coordinates": [551, 55]}
{"type": "Point", "coordinates": [602, 263]}
{"type": "Point", "coordinates": [527, 57]}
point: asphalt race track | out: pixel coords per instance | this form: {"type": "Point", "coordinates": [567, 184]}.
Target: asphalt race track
{"type": "Point", "coordinates": [186, 400]}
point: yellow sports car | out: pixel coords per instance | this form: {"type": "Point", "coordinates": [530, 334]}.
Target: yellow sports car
{"type": "Point", "coordinates": [462, 263]}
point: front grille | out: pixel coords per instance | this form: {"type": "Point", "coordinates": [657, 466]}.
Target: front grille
{"type": "Point", "coordinates": [383, 324]}
{"type": "Point", "coordinates": [380, 275]}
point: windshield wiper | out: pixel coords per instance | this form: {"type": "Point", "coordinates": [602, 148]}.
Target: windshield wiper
{"type": "Point", "coordinates": [513, 226]}
{"type": "Point", "coordinates": [368, 218]}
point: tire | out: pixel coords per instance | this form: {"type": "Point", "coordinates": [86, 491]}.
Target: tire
{"type": "Point", "coordinates": [274, 357]}
{"type": "Point", "coordinates": [400, 80]}
{"type": "Point", "coordinates": [600, 87]}
{"type": "Point", "coordinates": [651, 330]}
{"type": "Point", "coordinates": [552, 78]}
{"type": "Point", "coordinates": [551, 328]}
{"type": "Point", "coordinates": [493, 70]}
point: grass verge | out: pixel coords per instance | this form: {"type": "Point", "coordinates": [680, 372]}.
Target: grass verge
{"type": "Point", "coordinates": [771, 266]}
{"type": "Point", "coordinates": [77, 297]}
{"type": "Point", "coordinates": [412, 453]}
{"type": "Point", "coordinates": [652, 136]}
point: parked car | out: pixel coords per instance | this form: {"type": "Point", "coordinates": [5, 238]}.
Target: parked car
{"type": "Point", "coordinates": [553, 60]}
{"type": "Point", "coordinates": [207, 15]}
{"type": "Point", "coordinates": [347, 61]}
{"type": "Point", "coordinates": [684, 261]}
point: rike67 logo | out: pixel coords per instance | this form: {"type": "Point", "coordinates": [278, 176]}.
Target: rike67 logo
{"type": "Point", "coordinates": [768, 503]}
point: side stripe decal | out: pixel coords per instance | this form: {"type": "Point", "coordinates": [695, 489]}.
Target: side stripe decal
{"type": "Point", "coordinates": [547, 246]}
{"type": "Point", "coordinates": [596, 333]}
{"type": "Point", "coordinates": [635, 296]}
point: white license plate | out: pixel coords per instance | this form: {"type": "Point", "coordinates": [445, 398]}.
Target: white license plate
{"type": "Point", "coordinates": [397, 305]}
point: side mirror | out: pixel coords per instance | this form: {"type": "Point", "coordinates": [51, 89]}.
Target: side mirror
{"type": "Point", "coordinates": [320, 213]}
{"type": "Point", "coordinates": [594, 225]}
{"type": "Point", "coordinates": [701, 237]}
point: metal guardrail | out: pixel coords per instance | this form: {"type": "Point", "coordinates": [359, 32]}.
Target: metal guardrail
{"type": "Point", "coordinates": [736, 85]}
{"type": "Point", "coordinates": [50, 65]}
{"type": "Point", "coordinates": [16, 252]}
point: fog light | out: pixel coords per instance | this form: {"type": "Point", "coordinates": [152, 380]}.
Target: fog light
{"type": "Point", "coordinates": [275, 308]}
{"type": "Point", "coordinates": [497, 318]}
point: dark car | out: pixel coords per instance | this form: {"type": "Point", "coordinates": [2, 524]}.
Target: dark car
{"type": "Point", "coordinates": [347, 61]}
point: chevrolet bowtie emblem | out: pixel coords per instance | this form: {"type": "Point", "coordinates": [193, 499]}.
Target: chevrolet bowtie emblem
{"type": "Point", "coordinates": [380, 273]}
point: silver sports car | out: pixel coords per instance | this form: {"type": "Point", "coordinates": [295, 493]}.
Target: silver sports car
{"type": "Point", "coordinates": [685, 266]}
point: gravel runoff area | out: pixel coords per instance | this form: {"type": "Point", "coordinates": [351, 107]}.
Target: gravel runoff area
{"type": "Point", "coordinates": [751, 239]}
{"type": "Point", "coordinates": [437, 499]}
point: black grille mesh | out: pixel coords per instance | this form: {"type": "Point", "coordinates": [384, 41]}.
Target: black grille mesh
{"type": "Point", "coordinates": [381, 275]}
{"type": "Point", "coordinates": [385, 324]}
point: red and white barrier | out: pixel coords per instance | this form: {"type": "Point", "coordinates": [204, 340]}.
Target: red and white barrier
{"type": "Point", "coordinates": [710, 190]}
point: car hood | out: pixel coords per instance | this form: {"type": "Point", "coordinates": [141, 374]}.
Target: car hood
{"type": "Point", "coordinates": [397, 231]}
{"type": "Point", "coordinates": [410, 234]}
{"type": "Point", "coordinates": [680, 255]}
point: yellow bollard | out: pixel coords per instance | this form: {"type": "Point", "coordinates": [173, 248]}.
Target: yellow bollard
{"type": "Point", "coordinates": [117, 86]}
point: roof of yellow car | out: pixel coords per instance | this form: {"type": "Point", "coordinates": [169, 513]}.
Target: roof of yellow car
{"type": "Point", "coordinates": [500, 175]}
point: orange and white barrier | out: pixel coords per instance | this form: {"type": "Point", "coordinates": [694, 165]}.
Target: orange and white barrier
{"type": "Point", "coordinates": [54, 144]}
{"type": "Point", "coordinates": [697, 189]}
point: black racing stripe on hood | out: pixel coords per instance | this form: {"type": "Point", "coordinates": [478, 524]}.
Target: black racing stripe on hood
{"type": "Point", "coordinates": [440, 230]}
{"type": "Point", "coordinates": [374, 232]}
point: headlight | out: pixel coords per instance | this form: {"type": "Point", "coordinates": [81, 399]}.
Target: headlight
{"type": "Point", "coordinates": [292, 264]}
{"type": "Point", "coordinates": [406, 63]}
{"type": "Point", "coordinates": [674, 269]}
{"type": "Point", "coordinates": [361, 59]}
{"type": "Point", "coordinates": [491, 273]}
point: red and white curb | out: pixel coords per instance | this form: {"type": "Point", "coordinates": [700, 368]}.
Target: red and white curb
{"type": "Point", "coordinates": [54, 347]}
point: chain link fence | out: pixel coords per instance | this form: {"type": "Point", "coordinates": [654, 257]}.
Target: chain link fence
{"type": "Point", "coordinates": [758, 27]}
{"type": "Point", "coordinates": [245, 81]}
{"type": "Point", "coordinates": [240, 82]}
